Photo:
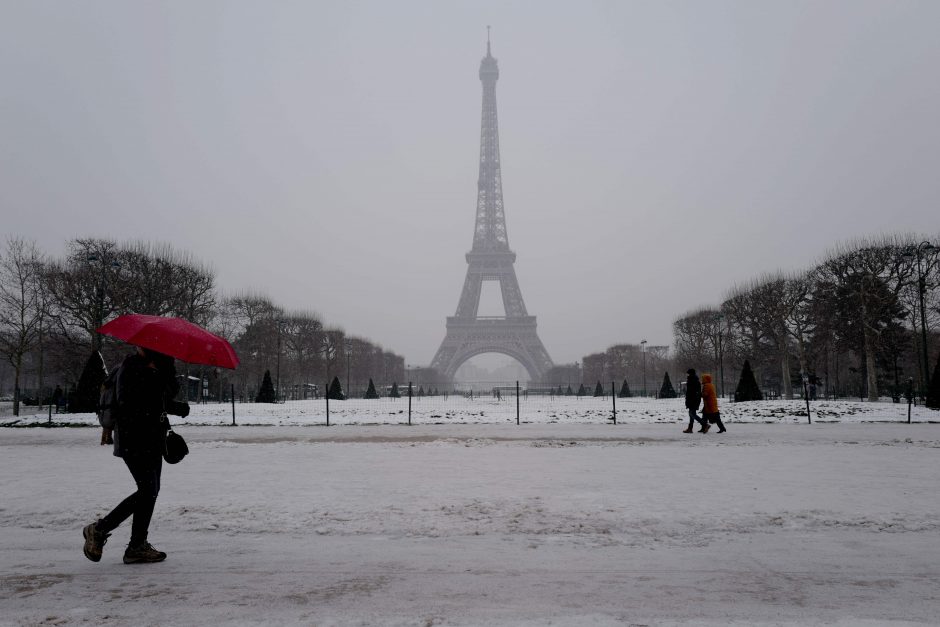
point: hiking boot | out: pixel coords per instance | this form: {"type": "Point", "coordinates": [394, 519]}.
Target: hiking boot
{"type": "Point", "coordinates": [704, 429]}
{"type": "Point", "coordinates": [689, 430]}
{"type": "Point", "coordinates": [94, 541]}
{"type": "Point", "coordinates": [722, 430]}
{"type": "Point", "coordinates": [143, 554]}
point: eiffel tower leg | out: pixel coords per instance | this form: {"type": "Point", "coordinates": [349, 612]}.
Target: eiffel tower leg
{"type": "Point", "coordinates": [470, 296]}
{"type": "Point", "coordinates": [512, 295]}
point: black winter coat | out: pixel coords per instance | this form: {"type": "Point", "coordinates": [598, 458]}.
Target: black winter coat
{"type": "Point", "coordinates": [693, 392]}
{"type": "Point", "coordinates": [144, 397]}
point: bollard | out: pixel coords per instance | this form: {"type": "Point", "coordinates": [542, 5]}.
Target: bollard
{"type": "Point", "coordinates": [909, 393]}
{"type": "Point", "coordinates": [809, 417]}
{"type": "Point", "coordinates": [517, 402]}
{"type": "Point", "coordinates": [409, 403]}
{"type": "Point", "coordinates": [233, 404]}
{"type": "Point", "coordinates": [50, 414]}
{"type": "Point", "coordinates": [613, 397]}
{"type": "Point", "coordinates": [327, 388]}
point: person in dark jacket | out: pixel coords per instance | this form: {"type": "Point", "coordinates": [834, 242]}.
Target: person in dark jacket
{"type": "Point", "coordinates": [693, 398]}
{"type": "Point", "coordinates": [145, 388]}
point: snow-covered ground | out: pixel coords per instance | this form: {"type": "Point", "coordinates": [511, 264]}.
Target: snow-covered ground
{"type": "Point", "coordinates": [571, 523]}
{"type": "Point", "coordinates": [535, 409]}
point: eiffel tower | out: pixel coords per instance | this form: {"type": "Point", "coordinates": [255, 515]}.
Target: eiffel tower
{"type": "Point", "coordinates": [490, 259]}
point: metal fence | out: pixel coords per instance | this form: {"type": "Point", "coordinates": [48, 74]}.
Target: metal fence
{"type": "Point", "coordinates": [437, 404]}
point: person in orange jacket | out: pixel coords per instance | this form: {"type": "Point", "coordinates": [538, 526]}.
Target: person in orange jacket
{"type": "Point", "coordinates": [710, 403]}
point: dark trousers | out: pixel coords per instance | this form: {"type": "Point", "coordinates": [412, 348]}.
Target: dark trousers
{"type": "Point", "coordinates": [714, 419]}
{"type": "Point", "coordinates": [140, 504]}
{"type": "Point", "coordinates": [693, 418]}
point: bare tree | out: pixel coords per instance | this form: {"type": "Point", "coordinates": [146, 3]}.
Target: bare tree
{"type": "Point", "coordinates": [748, 339]}
{"type": "Point", "coordinates": [79, 288]}
{"type": "Point", "coordinates": [798, 318]}
{"type": "Point", "coordinates": [22, 306]}
{"type": "Point", "coordinates": [696, 339]}
{"type": "Point", "coordinates": [868, 277]}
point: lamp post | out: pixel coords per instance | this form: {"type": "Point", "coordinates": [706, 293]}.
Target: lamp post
{"type": "Point", "coordinates": [643, 349]}
{"type": "Point", "coordinates": [916, 252]}
{"type": "Point", "coordinates": [347, 346]}
{"type": "Point", "coordinates": [719, 320]}
{"type": "Point", "coordinates": [277, 376]}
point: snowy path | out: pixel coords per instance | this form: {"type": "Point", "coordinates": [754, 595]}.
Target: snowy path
{"type": "Point", "coordinates": [487, 524]}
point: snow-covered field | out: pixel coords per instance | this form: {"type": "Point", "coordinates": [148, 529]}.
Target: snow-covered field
{"type": "Point", "coordinates": [535, 409]}
{"type": "Point", "coordinates": [567, 523]}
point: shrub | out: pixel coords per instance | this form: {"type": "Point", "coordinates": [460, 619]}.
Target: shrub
{"type": "Point", "coordinates": [266, 393]}
{"type": "Point", "coordinates": [747, 389]}
{"type": "Point", "coordinates": [336, 390]}
{"type": "Point", "coordinates": [625, 390]}
{"type": "Point", "coordinates": [666, 390]}
{"type": "Point", "coordinates": [933, 392]}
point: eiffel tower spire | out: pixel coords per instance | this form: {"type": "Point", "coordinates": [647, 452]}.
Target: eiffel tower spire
{"type": "Point", "coordinates": [490, 232]}
{"type": "Point", "coordinates": [490, 259]}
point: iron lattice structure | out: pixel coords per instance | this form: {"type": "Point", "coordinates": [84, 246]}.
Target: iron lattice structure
{"type": "Point", "coordinates": [490, 259]}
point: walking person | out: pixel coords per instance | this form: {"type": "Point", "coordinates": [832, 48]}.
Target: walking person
{"type": "Point", "coordinates": [710, 411]}
{"type": "Point", "coordinates": [693, 398]}
{"type": "Point", "coordinates": [145, 388]}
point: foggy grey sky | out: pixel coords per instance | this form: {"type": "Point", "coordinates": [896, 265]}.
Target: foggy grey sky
{"type": "Point", "coordinates": [653, 153]}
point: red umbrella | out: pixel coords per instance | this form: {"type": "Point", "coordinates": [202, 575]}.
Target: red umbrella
{"type": "Point", "coordinates": [173, 336]}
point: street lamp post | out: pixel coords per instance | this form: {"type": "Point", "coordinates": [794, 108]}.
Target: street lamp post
{"type": "Point", "coordinates": [277, 376]}
{"type": "Point", "coordinates": [643, 349]}
{"type": "Point", "coordinates": [348, 347]}
{"type": "Point", "coordinates": [915, 252]}
{"type": "Point", "coordinates": [719, 319]}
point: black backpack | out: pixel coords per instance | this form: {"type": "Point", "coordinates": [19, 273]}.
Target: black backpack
{"type": "Point", "coordinates": [108, 400]}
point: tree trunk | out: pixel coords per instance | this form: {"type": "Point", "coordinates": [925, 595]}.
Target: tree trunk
{"type": "Point", "coordinates": [40, 381]}
{"type": "Point", "coordinates": [18, 367]}
{"type": "Point", "coordinates": [872, 375]}
{"type": "Point", "coordinates": [785, 369]}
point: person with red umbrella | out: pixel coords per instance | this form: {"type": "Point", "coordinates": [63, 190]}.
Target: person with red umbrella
{"type": "Point", "coordinates": [145, 389]}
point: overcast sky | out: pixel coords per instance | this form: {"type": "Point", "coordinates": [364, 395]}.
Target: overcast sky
{"type": "Point", "coordinates": [653, 153]}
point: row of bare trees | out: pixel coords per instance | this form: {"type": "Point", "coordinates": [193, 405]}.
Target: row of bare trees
{"type": "Point", "coordinates": [299, 350]}
{"type": "Point", "coordinates": [853, 324]}
{"type": "Point", "coordinates": [640, 365]}
{"type": "Point", "coordinates": [50, 308]}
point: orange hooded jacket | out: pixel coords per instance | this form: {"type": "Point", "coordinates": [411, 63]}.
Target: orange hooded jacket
{"type": "Point", "coordinates": [709, 398]}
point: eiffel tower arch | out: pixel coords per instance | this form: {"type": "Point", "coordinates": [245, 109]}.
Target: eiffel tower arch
{"type": "Point", "coordinates": [490, 259]}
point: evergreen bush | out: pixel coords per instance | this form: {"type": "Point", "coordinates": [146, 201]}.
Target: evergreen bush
{"type": "Point", "coordinates": [336, 390]}
{"type": "Point", "coordinates": [394, 393]}
{"type": "Point", "coordinates": [666, 390]}
{"type": "Point", "coordinates": [371, 393]}
{"type": "Point", "coordinates": [266, 393]}
{"type": "Point", "coordinates": [747, 389]}
{"type": "Point", "coordinates": [581, 390]}
{"type": "Point", "coordinates": [625, 390]}
{"type": "Point", "coordinates": [933, 392]}
{"type": "Point", "coordinates": [598, 389]}
{"type": "Point", "coordinates": [84, 398]}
